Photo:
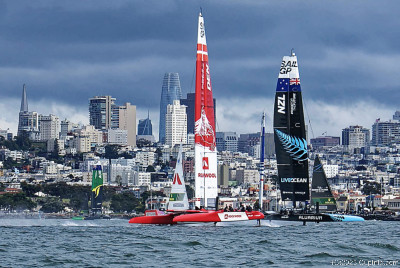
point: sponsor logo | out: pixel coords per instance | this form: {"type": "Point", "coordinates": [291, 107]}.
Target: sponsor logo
{"type": "Point", "coordinates": [206, 175]}
{"type": "Point", "coordinates": [202, 33]}
{"type": "Point", "coordinates": [320, 189]}
{"type": "Point", "coordinates": [293, 104]}
{"type": "Point", "coordinates": [208, 77]}
{"type": "Point", "coordinates": [177, 179]}
{"type": "Point", "coordinates": [310, 217]}
{"type": "Point", "coordinates": [205, 163]}
{"type": "Point", "coordinates": [230, 216]}
{"type": "Point", "coordinates": [281, 104]}
{"type": "Point", "coordinates": [294, 180]}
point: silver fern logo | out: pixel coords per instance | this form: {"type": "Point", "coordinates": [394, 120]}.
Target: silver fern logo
{"type": "Point", "coordinates": [294, 146]}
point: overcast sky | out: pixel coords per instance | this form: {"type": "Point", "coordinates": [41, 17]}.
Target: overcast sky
{"type": "Point", "coordinates": [68, 51]}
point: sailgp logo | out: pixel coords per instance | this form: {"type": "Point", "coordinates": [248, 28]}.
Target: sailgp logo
{"type": "Point", "coordinates": [294, 146]}
{"type": "Point", "coordinates": [294, 180]}
{"type": "Point", "coordinates": [205, 163]}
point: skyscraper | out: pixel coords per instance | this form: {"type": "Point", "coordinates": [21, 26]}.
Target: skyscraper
{"type": "Point", "coordinates": [385, 133]}
{"type": "Point", "coordinates": [171, 90]}
{"type": "Point", "coordinates": [355, 136]}
{"type": "Point", "coordinates": [124, 117]}
{"type": "Point", "coordinates": [175, 124]}
{"type": "Point", "coordinates": [145, 127]}
{"type": "Point", "coordinates": [28, 121]}
{"type": "Point", "coordinates": [227, 141]}
{"type": "Point", "coordinates": [100, 111]}
{"type": "Point", "coordinates": [49, 127]}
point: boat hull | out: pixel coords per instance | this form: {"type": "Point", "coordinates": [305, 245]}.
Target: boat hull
{"type": "Point", "coordinates": [159, 219]}
{"type": "Point", "coordinates": [320, 217]}
{"type": "Point", "coordinates": [219, 216]}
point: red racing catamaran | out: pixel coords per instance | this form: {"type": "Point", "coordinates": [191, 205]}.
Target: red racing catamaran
{"type": "Point", "coordinates": [206, 189]}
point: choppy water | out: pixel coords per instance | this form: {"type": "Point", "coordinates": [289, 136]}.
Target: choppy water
{"type": "Point", "coordinates": [116, 243]}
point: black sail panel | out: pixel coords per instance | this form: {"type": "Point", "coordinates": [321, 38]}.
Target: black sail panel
{"type": "Point", "coordinates": [290, 135]}
{"type": "Point", "coordinates": [320, 190]}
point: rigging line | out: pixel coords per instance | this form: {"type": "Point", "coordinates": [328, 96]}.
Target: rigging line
{"type": "Point", "coordinates": [309, 119]}
{"type": "Point", "coordinates": [193, 76]}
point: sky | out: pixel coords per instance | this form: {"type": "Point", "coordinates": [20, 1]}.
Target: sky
{"type": "Point", "coordinates": [69, 51]}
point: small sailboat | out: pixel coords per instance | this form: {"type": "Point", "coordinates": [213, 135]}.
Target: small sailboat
{"type": "Point", "coordinates": [96, 196]}
{"type": "Point", "coordinates": [178, 200]}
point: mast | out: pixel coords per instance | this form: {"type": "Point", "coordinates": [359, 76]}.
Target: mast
{"type": "Point", "coordinates": [289, 133]}
{"type": "Point", "coordinates": [262, 146]}
{"type": "Point", "coordinates": [205, 146]}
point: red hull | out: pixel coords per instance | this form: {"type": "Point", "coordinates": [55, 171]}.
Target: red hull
{"type": "Point", "coordinates": [219, 216]}
{"type": "Point", "coordinates": [161, 219]}
{"type": "Point", "coordinates": [153, 217]}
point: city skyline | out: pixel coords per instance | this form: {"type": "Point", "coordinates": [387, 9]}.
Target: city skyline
{"type": "Point", "coordinates": [68, 53]}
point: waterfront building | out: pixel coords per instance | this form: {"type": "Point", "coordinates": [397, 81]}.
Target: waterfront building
{"type": "Point", "coordinates": [321, 141]}
{"type": "Point", "coordinates": [176, 124]}
{"type": "Point", "coordinates": [28, 121]}
{"type": "Point", "coordinates": [385, 132]}
{"type": "Point", "coordinates": [124, 117]}
{"type": "Point", "coordinates": [355, 137]}
{"type": "Point", "coordinates": [100, 110]}
{"type": "Point", "coordinates": [49, 127]}
{"type": "Point", "coordinates": [171, 90]}
{"type": "Point", "coordinates": [227, 141]}
{"type": "Point", "coordinates": [189, 102]}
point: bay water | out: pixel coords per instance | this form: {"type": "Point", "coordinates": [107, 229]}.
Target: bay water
{"type": "Point", "coordinates": [116, 243]}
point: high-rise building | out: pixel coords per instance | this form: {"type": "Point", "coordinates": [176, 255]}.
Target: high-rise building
{"type": "Point", "coordinates": [86, 138]}
{"type": "Point", "coordinates": [100, 110]}
{"type": "Point", "coordinates": [171, 90]}
{"type": "Point", "coordinates": [189, 103]}
{"type": "Point", "coordinates": [124, 117]}
{"type": "Point", "coordinates": [396, 115]}
{"type": "Point", "coordinates": [176, 124]}
{"type": "Point", "coordinates": [227, 141]}
{"type": "Point", "coordinates": [250, 144]}
{"type": "Point", "coordinates": [49, 127]}
{"type": "Point", "coordinates": [28, 121]}
{"type": "Point", "coordinates": [385, 133]}
{"type": "Point", "coordinates": [145, 127]}
{"type": "Point", "coordinates": [67, 127]}
{"type": "Point", "coordinates": [355, 136]}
